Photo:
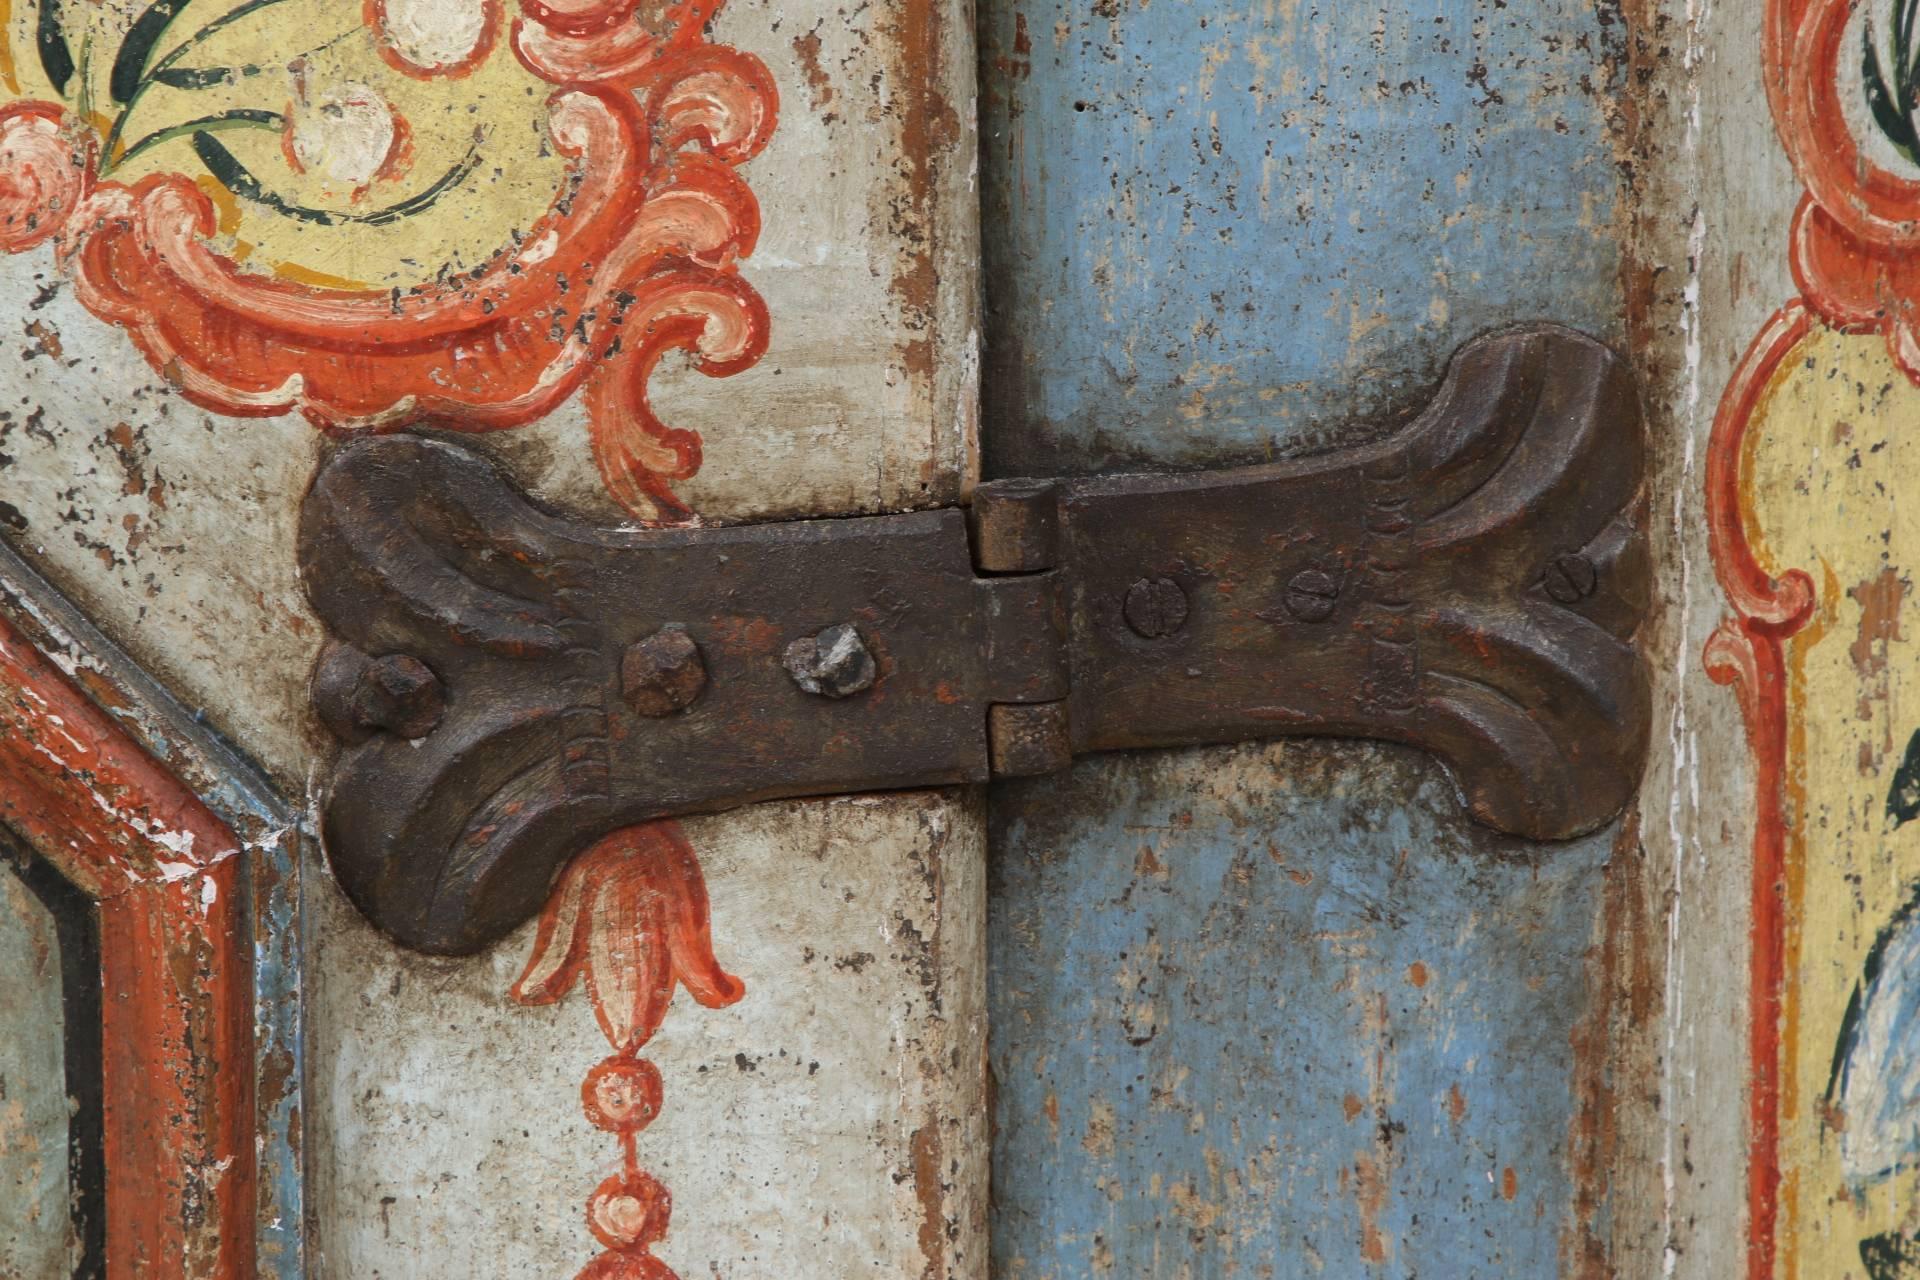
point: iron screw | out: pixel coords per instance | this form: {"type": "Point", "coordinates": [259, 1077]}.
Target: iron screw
{"type": "Point", "coordinates": [663, 673]}
{"type": "Point", "coordinates": [1311, 595]}
{"type": "Point", "coordinates": [1155, 607]}
{"type": "Point", "coordinates": [1571, 578]}
{"type": "Point", "coordinates": [833, 664]}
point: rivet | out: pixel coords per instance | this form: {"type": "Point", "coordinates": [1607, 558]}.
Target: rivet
{"type": "Point", "coordinates": [1155, 607]}
{"type": "Point", "coordinates": [1311, 595]}
{"type": "Point", "coordinates": [663, 673]}
{"type": "Point", "coordinates": [400, 694]}
{"type": "Point", "coordinates": [832, 664]}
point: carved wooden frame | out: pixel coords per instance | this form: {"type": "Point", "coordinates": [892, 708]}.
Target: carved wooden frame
{"type": "Point", "coordinates": [189, 860]}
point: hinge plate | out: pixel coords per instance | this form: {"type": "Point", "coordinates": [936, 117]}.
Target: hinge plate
{"type": "Point", "coordinates": [510, 684]}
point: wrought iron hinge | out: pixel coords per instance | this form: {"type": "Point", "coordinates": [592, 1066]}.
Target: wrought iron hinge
{"type": "Point", "coordinates": [510, 684]}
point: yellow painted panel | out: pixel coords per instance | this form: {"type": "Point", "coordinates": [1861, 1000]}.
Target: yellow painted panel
{"type": "Point", "coordinates": [1834, 453]}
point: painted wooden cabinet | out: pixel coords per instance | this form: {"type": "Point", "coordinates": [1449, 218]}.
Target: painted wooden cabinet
{"type": "Point", "coordinates": [538, 689]}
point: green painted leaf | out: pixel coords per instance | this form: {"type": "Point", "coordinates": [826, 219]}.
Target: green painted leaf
{"type": "Point", "coordinates": [1903, 795]}
{"type": "Point", "coordinates": [137, 49]}
{"type": "Point", "coordinates": [1893, 100]}
{"type": "Point", "coordinates": [1891, 1256]}
{"type": "Point", "coordinates": [240, 180]}
{"type": "Point", "coordinates": [56, 59]}
{"type": "Point", "coordinates": [239, 118]}
{"type": "Point", "coordinates": [199, 77]}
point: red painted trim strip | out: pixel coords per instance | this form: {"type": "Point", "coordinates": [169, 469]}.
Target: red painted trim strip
{"type": "Point", "coordinates": [1747, 652]}
{"type": "Point", "coordinates": [175, 970]}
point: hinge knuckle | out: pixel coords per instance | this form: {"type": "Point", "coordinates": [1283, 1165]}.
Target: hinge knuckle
{"type": "Point", "coordinates": [1016, 544]}
{"type": "Point", "coordinates": [1028, 740]}
{"type": "Point", "coordinates": [1016, 526]}
{"type": "Point", "coordinates": [1025, 623]}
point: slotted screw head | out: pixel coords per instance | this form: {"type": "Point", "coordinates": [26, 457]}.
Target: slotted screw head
{"type": "Point", "coordinates": [1155, 607]}
{"type": "Point", "coordinates": [1571, 578]}
{"type": "Point", "coordinates": [663, 673]}
{"type": "Point", "coordinates": [1311, 595]}
{"type": "Point", "coordinates": [834, 664]}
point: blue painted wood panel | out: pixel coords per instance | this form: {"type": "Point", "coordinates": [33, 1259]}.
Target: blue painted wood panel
{"type": "Point", "coordinates": [1280, 1011]}
{"type": "Point", "coordinates": [1216, 227]}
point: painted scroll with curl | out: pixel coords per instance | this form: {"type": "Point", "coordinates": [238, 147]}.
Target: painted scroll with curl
{"type": "Point", "coordinates": [1811, 448]}
{"type": "Point", "coordinates": [384, 213]}
{"type": "Point", "coordinates": [246, 188]}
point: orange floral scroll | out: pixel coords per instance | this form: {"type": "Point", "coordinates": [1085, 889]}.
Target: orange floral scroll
{"type": "Point", "coordinates": [630, 917]}
{"type": "Point", "coordinates": [1842, 79]}
{"type": "Point", "coordinates": [637, 254]}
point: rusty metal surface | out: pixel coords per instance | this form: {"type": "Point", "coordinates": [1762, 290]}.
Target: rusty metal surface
{"type": "Point", "coordinates": [512, 685]}
{"type": "Point", "coordinates": [1412, 590]}
{"type": "Point", "coordinates": [420, 548]}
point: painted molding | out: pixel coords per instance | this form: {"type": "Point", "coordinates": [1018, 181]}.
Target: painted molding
{"type": "Point", "coordinates": [190, 861]}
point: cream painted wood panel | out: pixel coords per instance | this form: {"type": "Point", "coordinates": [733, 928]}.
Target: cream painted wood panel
{"type": "Point", "coordinates": [830, 1120]}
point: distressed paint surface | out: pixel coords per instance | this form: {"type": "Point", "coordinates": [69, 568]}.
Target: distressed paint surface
{"type": "Point", "coordinates": [1827, 453]}
{"type": "Point", "coordinates": [1221, 231]}
{"type": "Point", "coordinates": [1713, 198]}
{"type": "Point", "coordinates": [167, 879]}
{"type": "Point", "coordinates": [1810, 547]}
{"type": "Point", "coordinates": [629, 922]}
{"type": "Point", "coordinates": [176, 534]}
{"type": "Point", "coordinates": [832, 1119]}
{"type": "Point", "coordinates": [233, 789]}
{"type": "Point", "coordinates": [36, 1226]}
{"type": "Point", "coordinates": [1216, 229]}
{"type": "Point", "coordinates": [1259, 1012]}
{"type": "Point", "coordinates": [606, 230]}
{"type": "Point", "coordinates": [174, 527]}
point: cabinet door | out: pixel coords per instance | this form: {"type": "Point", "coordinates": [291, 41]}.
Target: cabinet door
{"type": "Point", "coordinates": [276, 1001]}
{"type": "Point", "coordinates": [1283, 1009]}
{"type": "Point", "coordinates": [663, 263]}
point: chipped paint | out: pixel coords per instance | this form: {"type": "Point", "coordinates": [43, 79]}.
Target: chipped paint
{"type": "Point", "coordinates": [1246, 1081]}
{"type": "Point", "coordinates": [123, 705]}
{"type": "Point", "coordinates": [1222, 229]}
{"type": "Point", "coordinates": [178, 1122]}
{"type": "Point", "coordinates": [834, 1114]}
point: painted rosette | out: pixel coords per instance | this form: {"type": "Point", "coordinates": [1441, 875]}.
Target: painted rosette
{"type": "Point", "coordinates": [622, 1095]}
{"type": "Point", "coordinates": [630, 1210]}
{"type": "Point", "coordinates": [42, 178]}
{"type": "Point", "coordinates": [349, 134]}
{"type": "Point", "coordinates": [431, 39]}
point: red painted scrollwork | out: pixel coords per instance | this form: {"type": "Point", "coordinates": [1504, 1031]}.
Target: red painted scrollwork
{"type": "Point", "coordinates": [637, 255]}
{"type": "Point", "coordinates": [629, 916]}
{"type": "Point", "coordinates": [1852, 250]}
